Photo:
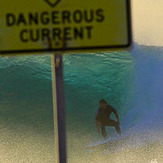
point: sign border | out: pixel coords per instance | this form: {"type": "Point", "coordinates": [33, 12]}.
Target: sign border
{"type": "Point", "coordinates": [129, 26]}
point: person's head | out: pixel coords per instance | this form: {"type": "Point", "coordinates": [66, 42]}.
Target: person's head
{"type": "Point", "coordinates": [103, 103]}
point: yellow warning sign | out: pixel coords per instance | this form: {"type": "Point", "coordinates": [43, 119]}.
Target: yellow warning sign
{"type": "Point", "coordinates": [82, 24]}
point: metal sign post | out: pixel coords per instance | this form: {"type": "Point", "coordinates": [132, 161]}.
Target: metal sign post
{"type": "Point", "coordinates": [58, 105]}
{"type": "Point", "coordinates": [58, 108]}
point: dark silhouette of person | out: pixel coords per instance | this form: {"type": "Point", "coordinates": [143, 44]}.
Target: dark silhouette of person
{"type": "Point", "coordinates": [103, 118]}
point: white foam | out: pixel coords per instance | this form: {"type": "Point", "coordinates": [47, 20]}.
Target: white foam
{"type": "Point", "coordinates": [147, 22]}
{"type": "Point", "coordinates": [154, 161]}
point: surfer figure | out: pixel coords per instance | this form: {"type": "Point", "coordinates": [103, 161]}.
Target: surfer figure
{"type": "Point", "coordinates": [103, 118]}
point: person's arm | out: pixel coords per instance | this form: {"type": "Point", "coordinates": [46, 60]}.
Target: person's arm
{"type": "Point", "coordinates": [97, 121]}
{"type": "Point", "coordinates": [117, 116]}
{"type": "Point", "coordinates": [98, 126]}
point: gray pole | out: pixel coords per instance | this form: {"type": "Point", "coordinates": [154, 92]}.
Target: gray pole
{"type": "Point", "coordinates": [58, 108]}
